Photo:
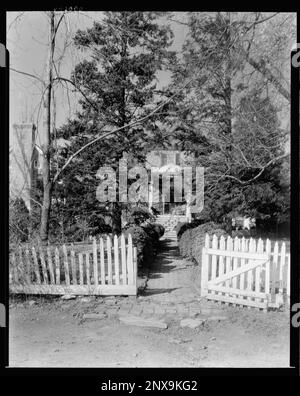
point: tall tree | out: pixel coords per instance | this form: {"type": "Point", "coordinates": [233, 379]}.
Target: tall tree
{"type": "Point", "coordinates": [228, 89]}
{"type": "Point", "coordinates": [257, 139]}
{"type": "Point", "coordinates": [126, 51]}
{"type": "Point", "coordinates": [46, 132]}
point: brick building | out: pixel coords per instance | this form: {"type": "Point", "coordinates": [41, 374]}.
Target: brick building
{"type": "Point", "coordinates": [24, 164]}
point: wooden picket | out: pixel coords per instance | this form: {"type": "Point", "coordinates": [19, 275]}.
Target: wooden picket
{"type": "Point", "coordinates": [66, 266]}
{"type": "Point", "coordinates": [80, 261]}
{"type": "Point", "coordinates": [228, 262]}
{"type": "Point", "coordinates": [73, 268]}
{"type": "Point", "coordinates": [258, 270]}
{"type": "Point", "coordinates": [57, 266]}
{"type": "Point", "coordinates": [102, 270]}
{"type": "Point", "coordinates": [95, 262]}
{"type": "Point", "coordinates": [52, 281]}
{"type": "Point", "coordinates": [244, 248]}
{"type": "Point", "coordinates": [109, 260]}
{"type": "Point", "coordinates": [14, 277]}
{"type": "Point", "coordinates": [129, 259]}
{"type": "Point", "coordinates": [245, 272]}
{"type": "Point", "coordinates": [44, 269]}
{"type": "Point", "coordinates": [221, 260]}
{"type": "Point", "coordinates": [252, 248]}
{"type": "Point", "coordinates": [116, 260]}
{"type": "Point", "coordinates": [123, 259]}
{"type": "Point", "coordinates": [105, 269]}
{"type": "Point", "coordinates": [36, 266]}
{"type": "Point", "coordinates": [87, 263]}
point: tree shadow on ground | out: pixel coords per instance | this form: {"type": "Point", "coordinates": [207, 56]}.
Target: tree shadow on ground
{"type": "Point", "coordinates": [164, 266]}
{"type": "Point", "coordinates": [150, 292]}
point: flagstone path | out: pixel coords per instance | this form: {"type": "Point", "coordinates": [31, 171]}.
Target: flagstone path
{"type": "Point", "coordinates": [172, 290]}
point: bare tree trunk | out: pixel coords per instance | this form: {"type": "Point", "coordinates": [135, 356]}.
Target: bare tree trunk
{"type": "Point", "coordinates": [46, 131]}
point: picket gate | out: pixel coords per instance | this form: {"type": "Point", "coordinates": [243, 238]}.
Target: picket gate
{"type": "Point", "coordinates": [107, 267]}
{"type": "Point", "coordinates": [245, 272]}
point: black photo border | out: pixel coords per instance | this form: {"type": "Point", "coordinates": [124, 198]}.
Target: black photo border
{"type": "Point", "coordinates": [139, 375]}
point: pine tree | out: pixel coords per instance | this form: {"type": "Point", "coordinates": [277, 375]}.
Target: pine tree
{"type": "Point", "coordinates": [125, 51]}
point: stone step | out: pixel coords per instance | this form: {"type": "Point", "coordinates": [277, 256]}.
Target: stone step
{"type": "Point", "coordinates": [168, 235]}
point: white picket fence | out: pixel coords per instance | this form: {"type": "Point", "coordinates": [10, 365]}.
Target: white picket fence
{"type": "Point", "coordinates": [245, 272]}
{"type": "Point", "coordinates": [106, 267]}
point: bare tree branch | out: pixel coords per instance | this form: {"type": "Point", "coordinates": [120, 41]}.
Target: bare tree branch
{"type": "Point", "coordinates": [258, 21]}
{"type": "Point", "coordinates": [28, 75]}
{"type": "Point", "coordinates": [244, 182]}
{"type": "Point", "coordinates": [119, 129]}
{"type": "Point", "coordinates": [265, 71]}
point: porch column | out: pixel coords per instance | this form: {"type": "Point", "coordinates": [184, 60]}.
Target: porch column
{"type": "Point", "coordinates": [150, 196]}
{"type": "Point", "coordinates": [188, 212]}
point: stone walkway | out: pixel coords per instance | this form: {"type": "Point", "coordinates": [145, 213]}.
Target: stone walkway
{"type": "Point", "coordinates": [171, 288]}
{"type": "Point", "coordinates": [170, 294]}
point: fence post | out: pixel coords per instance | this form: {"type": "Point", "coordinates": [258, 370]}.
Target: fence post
{"type": "Point", "coordinates": [57, 268]}
{"type": "Point", "coordinates": [102, 263]}
{"type": "Point", "coordinates": [204, 267]}
{"type": "Point", "coordinates": [281, 267]}
{"type": "Point", "coordinates": [66, 266]}
{"type": "Point", "coordinates": [267, 274]}
{"type": "Point", "coordinates": [214, 257]}
{"type": "Point", "coordinates": [252, 249]}
{"type": "Point", "coordinates": [95, 262]}
{"type": "Point", "coordinates": [123, 259]}
{"type": "Point", "coordinates": [28, 267]}
{"type": "Point", "coordinates": [73, 267]}
{"type": "Point", "coordinates": [135, 268]}
{"type": "Point", "coordinates": [242, 276]}
{"type": "Point", "coordinates": [44, 269]}
{"type": "Point", "coordinates": [288, 278]}
{"type": "Point", "coordinates": [109, 262]}
{"type": "Point", "coordinates": [229, 248]}
{"type": "Point", "coordinates": [221, 258]}
{"type": "Point", "coordinates": [116, 260]}
{"type": "Point", "coordinates": [204, 272]}
{"type": "Point", "coordinates": [36, 266]}
{"type": "Point", "coordinates": [260, 249]}
{"type": "Point", "coordinates": [11, 259]}
{"type": "Point", "coordinates": [87, 263]}
{"type": "Point", "coordinates": [14, 268]}
{"type": "Point", "coordinates": [50, 265]}
{"type": "Point", "coordinates": [274, 273]}
{"type": "Point", "coordinates": [236, 248]}
{"type": "Point", "coordinates": [80, 259]}
{"type": "Point", "coordinates": [130, 262]}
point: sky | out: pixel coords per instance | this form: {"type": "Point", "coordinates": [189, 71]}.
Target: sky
{"type": "Point", "coordinates": [27, 37]}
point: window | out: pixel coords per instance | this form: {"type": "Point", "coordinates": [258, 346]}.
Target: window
{"type": "Point", "coordinates": [164, 159]}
